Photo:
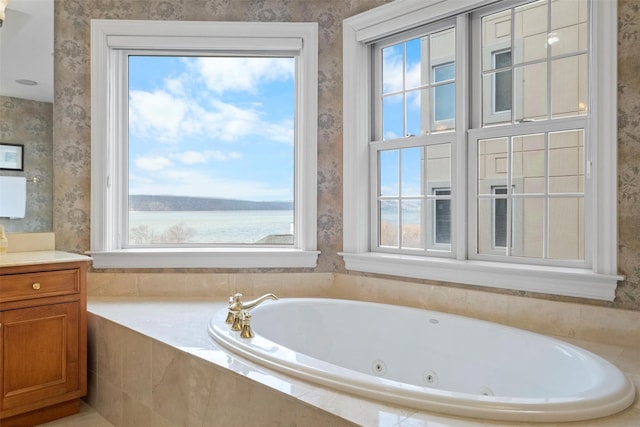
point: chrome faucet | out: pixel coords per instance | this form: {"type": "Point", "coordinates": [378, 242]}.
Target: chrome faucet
{"type": "Point", "coordinates": [238, 311]}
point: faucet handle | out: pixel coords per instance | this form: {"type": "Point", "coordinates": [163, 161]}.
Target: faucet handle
{"type": "Point", "coordinates": [246, 331]}
{"type": "Point", "coordinates": [235, 305]}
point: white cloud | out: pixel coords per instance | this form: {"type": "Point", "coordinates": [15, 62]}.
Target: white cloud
{"type": "Point", "coordinates": [157, 113]}
{"type": "Point", "coordinates": [165, 117]}
{"type": "Point", "coordinates": [242, 74]}
{"type": "Point", "coordinates": [195, 157]}
{"type": "Point", "coordinates": [192, 157]}
{"type": "Point", "coordinates": [153, 163]}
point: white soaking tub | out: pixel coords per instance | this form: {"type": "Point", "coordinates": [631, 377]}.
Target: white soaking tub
{"type": "Point", "coordinates": [430, 360]}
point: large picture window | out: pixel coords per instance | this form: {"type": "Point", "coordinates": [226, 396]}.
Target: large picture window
{"type": "Point", "coordinates": [488, 131]}
{"type": "Point", "coordinates": [203, 144]}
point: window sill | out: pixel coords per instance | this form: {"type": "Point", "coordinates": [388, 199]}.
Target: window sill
{"type": "Point", "coordinates": [572, 282]}
{"type": "Point", "coordinates": [205, 258]}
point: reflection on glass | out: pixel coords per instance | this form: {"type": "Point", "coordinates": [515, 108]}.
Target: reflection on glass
{"type": "Point", "coordinates": [418, 86]}
{"type": "Point", "coordinates": [568, 26]}
{"type": "Point", "coordinates": [530, 32]}
{"type": "Point", "coordinates": [443, 49]}
{"type": "Point", "coordinates": [439, 166]}
{"type": "Point", "coordinates": [444, 107]}
{"type": "Point", "coordinates": [496, 36]}
{"type": "Point", "coordinates": [531, 92]}
{"type": "Point", "coordinates": [442, 217]}
{"type": "Point", "coordinates": [528, 227]}
{"type": "Point", "coordinates": [569, 86]}
{"type": "Point", "coordinates": [566, 228]}
{"type": "Point", "coordinates": [528, 163]}
{"type": "Point", "coordinates": [492, 164]}
{"type": "Point", "coordinates": [487, 229]}
{"type": "Point", "coordinates": [388, 167]}
{"type": "Point", "coordinates": [566, 162]}
{"type": "Point", "coordinates": [417, 109]}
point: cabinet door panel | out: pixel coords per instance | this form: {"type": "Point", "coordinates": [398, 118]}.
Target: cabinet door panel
{"type": "Point", "coordinates": [40, 354]}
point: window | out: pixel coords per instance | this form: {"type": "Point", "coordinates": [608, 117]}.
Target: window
{"type": "Point", "coordinates": [203, 144]}
{"type": "Point", "coordinates": [513, 176]}
{"type": "Point", "coordinates": [502, 82]}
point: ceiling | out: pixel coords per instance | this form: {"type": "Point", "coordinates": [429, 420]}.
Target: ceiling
{"type": "Point", "coordinates": [26, 49]}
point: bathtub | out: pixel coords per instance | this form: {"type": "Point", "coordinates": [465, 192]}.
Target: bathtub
{"type": "Point", "coordinates": [429, 360]}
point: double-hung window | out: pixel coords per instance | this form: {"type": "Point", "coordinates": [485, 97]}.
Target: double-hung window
{"type": "Point", "coordinates": [203, 144]}
{"type": "Point", "coordinates": [483, 139]}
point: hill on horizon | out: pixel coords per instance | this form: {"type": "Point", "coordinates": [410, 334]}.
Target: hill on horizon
{"type": "Point", "coordinates": [140, 202]}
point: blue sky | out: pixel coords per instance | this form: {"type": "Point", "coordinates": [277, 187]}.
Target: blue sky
{"type": "Point", "coordinates": [211, 127]}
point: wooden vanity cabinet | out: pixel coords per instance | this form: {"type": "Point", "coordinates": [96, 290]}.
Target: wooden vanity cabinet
{"type": "Point", "coordinates": [43, 342]}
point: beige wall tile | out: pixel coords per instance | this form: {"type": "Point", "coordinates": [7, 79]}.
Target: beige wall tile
{"type": "Point", "coordinates": [161, 284]}
{"type": "Point", "coordinates": [212, 285]}
{"type": "Point", "coordinates": [109, 352]}
{"type": "Point", "coordinates": [136, 366]}
{"type": "Point", "coordinates": [134, 413]}
{"type": "Point", "coordinates": [168, 395]}
{"type": "Point", "coordinates": [609, 325]}
{"type": "Point", "coordinates": [112, 284]}
{"type": "Point", "coordinates": [555, 318]}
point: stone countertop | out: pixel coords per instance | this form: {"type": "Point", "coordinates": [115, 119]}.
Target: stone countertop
{"type": "Point", "coordinates": [14, 259]}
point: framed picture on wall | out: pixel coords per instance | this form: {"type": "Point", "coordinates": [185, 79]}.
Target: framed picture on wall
{"type": "Point", "coordinates": [11, 157]}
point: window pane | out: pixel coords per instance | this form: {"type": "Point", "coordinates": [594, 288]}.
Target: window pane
{"type": "Point", "coordinates": [392, 68]}
{"type": "Point", "coordinates": [439, 166]}
{"type": "Point", "coordinates": [416, 73]}
{"type": "Point", "coordinates": [569, 86]}
{"type": "Point", "coordinates": [531, 92]}
{"type": "Point", "coordinates": [412, 171]}
{"type": "Point", "coordinates": [492, 164]}
{"type": "Point", "coordinates": [393, 117]}
{"type": "Point", "coordinates": [568, 26]}
{"type": "Point", "coordinates": [566, 162]}
{"type": "Point", "coordinates": [487, 228]}
{"type": "Point", "coordinates": [497, 97]}
{"type": "Point", "coordinates": [499, 218]}
{"type": "Point", "coordinates": [204, 133]}
{"type": "Point", "coordinates": [502, 83]}
{"type": "Point", "coordinates": [496, 36]}
{"type": "Point", "coordinates": [444, 107]}
{"type": "Point", "coordinates": [530, 32]}
{"type": "Point", "coordinates": [528, 164]}
{"type": "Point", "coordinates": [443, 49]}
{"type": "Point", "coordinates": [388, 162]}
{"type": "Point", "coordinates": [442, 215]}
{"type": "Point", "coordinates": [566, 228]}
{"type": "Point", "coordinates": [389, 223]}
{"type": "Point", "coordinates": [412, 233]}
{"type": "Point", "coordinates": [417, 112]}
{"type": "Point", "coordinates": [528, 228]}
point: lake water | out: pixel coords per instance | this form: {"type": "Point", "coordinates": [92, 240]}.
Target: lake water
{"type": "Point", "coordinates": [212, 226]}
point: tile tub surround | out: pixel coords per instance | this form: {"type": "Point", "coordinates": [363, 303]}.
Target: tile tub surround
{"type": "Point", "coordinates": [152, 363]}
{"type": "Point", "coordinates": [569, 320]}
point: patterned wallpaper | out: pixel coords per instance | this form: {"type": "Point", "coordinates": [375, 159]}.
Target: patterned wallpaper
{"type": "Point", "coordinates": [30, 123]}
{"type": "Point", "coordinates": [72, 112]}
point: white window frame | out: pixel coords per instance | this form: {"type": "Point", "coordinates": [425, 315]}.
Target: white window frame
{"type": "Point", "coordinates": [109, 123]}
{"type": "Point", "coordinates": [597, 282]}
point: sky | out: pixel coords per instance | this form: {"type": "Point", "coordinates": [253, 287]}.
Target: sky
{"type": "Point", "coordinates": [211, 127]}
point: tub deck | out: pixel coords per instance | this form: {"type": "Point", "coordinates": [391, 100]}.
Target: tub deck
{"type": "Point", "coordinates": [152, 363]}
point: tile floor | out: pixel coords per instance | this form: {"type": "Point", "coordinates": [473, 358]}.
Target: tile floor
{"type": "Point", "coordinates": [87, 417]}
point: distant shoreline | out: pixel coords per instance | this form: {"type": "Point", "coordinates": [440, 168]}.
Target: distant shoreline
{"type": "Point", "coordinates": [150, 203]}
